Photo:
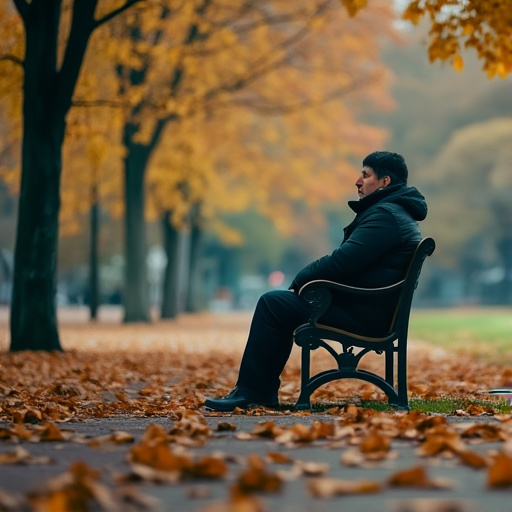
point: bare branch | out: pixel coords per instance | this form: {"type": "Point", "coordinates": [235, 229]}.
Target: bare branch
{"type": "Point", "coordinates": [12, 58]}
{"type": "Point", "coordinates": [99, 103]}
{"type": "Point", "coordinates": [270, 109]}
{"type": "Point", "coordinates": [115, 12]}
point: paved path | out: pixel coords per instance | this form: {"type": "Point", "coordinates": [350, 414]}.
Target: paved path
{"type": "Point", "coordinates": [468, 492]}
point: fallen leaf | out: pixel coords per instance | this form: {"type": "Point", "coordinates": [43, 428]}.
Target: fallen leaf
{"type": "Point", "coordinates": [329, 487]}
{"type": "Point", "coordinates": [256, 478]}
{"type": "Point", "coordinates": [499, 473]}
{"type": "Point", "coordinates": [416, 477]}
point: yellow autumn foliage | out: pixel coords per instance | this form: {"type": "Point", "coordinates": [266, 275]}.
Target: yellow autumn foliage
{"type": "Point", "coordinates": [483, 26]}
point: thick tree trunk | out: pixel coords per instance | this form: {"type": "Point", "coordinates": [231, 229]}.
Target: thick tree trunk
{"type": "Point", "coordinates": [93, 256]}
{"type": "Point", "coordinates": [195, 296]}
{"type": "Point", "coordinates": [33, 309]}
{"type": "Point", "coordinates": [136, 290]}
{"type": "Point", "coordinates": [170, 300]}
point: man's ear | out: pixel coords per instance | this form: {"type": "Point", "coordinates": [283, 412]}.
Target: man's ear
{"type": "Point", "coordinates": [386, 181]}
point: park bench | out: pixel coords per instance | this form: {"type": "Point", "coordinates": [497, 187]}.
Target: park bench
{"type": "Point", "coordinates": [393, 344]}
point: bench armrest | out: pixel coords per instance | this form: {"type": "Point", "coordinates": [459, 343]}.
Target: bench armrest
{"type": "Point", "coordinates": [319, 294]}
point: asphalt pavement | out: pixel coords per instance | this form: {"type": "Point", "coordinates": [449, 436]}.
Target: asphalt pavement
{"type": "Point", "coordinates": [466, 490]}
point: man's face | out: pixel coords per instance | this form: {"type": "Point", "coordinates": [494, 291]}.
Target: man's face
{"type": "Point", "coordinates": [368, 182]}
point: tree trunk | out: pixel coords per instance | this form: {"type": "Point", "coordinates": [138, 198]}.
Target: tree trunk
{"type": "Point", "coordinates": [33, 319]}
{"type": "Point", "coordinates": [195, 296]}
{"type": "Point", "coordinates": [93, 261]}
{"type": "Point", "coordinates": [33, 310]}
{"type": "Point", "coordinates": [170, 299]}
{"type": "Point", "coordinates": [136, 290]}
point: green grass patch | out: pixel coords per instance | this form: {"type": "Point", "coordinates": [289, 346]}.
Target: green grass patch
{"type": "Point", "coordinates": [446, 405]}
{"type": "Point", "coordinates": [479, 330]}
{"type": "Point", "coordinates": [443, 405]}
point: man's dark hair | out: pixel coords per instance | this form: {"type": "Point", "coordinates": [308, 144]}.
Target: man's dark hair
{"type": "Point", "coordinates": [386, 163]}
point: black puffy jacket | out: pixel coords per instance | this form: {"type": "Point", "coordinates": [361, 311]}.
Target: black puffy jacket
{"type": "Point", "coordinates": [376, 248]}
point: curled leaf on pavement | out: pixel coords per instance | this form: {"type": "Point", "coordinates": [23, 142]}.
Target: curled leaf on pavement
{"type": "Point", "coordinates": [16, 432]}
{"type": "Point", "coordinates": [279, 458]}
{"type": "Point", "coordinates": [116, 437]}
{"type": "Point", "coordinates": [50, 432]}
{"type": "Point", "coordinates": [375, 446]}
{"type": "Point", "coordinates": [159, 456]}
{"type": "Point", "coordinates": [267, 429]}
{"type": "Point", "coordinates": [484, 432]}
{"type": "Point", "coordinates": [77, 489]}
{"type": "Point", "coordinates": [29, 415]}
{"type": "Point", "coordinates": [226, 426]}
{"type": "Point", "coordinates": [312, 468]}
{"type": "Point", "coordinates": [441, 441]}
{"type": "Point", "coordinates": [189, 423]}
{"type": "Point", "coordinates": [329, 487]}
{"type": "Point", "coordinates": [499, 473]}
{"type": "Point", "coordinates": [22, 456]}
{"type": "Point", "coordinates": [472, 459]}
{"type": "Point", "coordinates": [432, 505]}
{"type": "Point", "coordinates": [417, 476]}
{"type": "Point", "coordinates": [256, 478]}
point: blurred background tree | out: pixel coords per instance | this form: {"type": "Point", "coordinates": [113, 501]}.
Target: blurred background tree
{"type": "Point", "coordinates": [243, 128]}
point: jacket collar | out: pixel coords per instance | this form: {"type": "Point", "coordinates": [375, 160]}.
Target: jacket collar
{"type": "Point", "coordinates": [366, 202]}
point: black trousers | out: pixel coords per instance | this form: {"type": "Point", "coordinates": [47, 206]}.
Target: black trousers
{"type": "Point", "coordinates": [270, 340]}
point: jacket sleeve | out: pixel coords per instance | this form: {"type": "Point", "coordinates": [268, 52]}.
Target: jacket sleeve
{"type": "Point", "coordinates": [374, 236]}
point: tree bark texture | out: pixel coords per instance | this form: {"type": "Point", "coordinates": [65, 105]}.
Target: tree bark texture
{"type": "Point", "coordinates": [170, 297]}
{"type": "Point", "coordinates": [195, 301]}
{"type": "Point", "coordinates": [136, 292]}
{"type": "Point", "coordinates": [47, 98]}
{"type": "Point", "coordinates": [93, 255]}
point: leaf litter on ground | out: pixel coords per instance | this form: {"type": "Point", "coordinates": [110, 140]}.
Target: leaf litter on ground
{"type": "Point", "coordinates": [167, 368]}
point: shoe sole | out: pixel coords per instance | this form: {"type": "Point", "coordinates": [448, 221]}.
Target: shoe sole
{"type": "Point", "coordinates": [232, 408]}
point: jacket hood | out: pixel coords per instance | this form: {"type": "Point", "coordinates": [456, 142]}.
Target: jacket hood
{"type": "Point", "coordinates": [409, 198]}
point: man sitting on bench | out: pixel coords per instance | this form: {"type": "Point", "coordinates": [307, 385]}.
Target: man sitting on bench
{"type": "Point", "coordinates": [376, 250]}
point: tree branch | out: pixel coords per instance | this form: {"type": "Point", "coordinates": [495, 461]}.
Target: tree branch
{"type": "Point", "coordinates": [99, 103]}
{"type": "Point", "coordinates": [115, 12]}
{"type": "Point", "coordinates": [270, 109]}
{"type": "Point", "coordinates": [12, 58]}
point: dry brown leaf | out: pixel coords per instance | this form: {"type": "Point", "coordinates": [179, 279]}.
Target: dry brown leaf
{"type": "Point", "coordinates": [477, 410]}
{"type": "Point", "coordinates": [17, 432]}
{"type": "Point", "coordinates": [225, 426]}
{"type": "Point", "coordinates": [22, 456]}
{"type": "Point", "coordinates": [121, 437]}
{"type": "Point", "coordinates": [375, 444]}
{"type": "Point", "coordinates": [311, 468]}
{"type": "Point", "coordinates": [432, 505]}
{"type": "Point", "coordinates": [472, 459]}
{"type": "Point", "coordinates": [208, 467]}
{"type": "Point", "coordinates": [500, 471]}
{"type": "Point", "coordinates": [440, 440]}
{"type": "Point", "coordinates": [78, 489]}
{"type": "Point", "coordinates": [266, 429]}
{"type": "Point", "coordinates": [256, 478]}
{"type": "Point", "coordinates": [279, 458]}
{"type": "Point", "coordinates": [352, 458]}
{"type": "Point", "coordinates": [485, 431]}
{"type": "Point", "coordinates": [190, 424]}
{"type": "Point", "coordinates": [416, 477]}
{"type": "Point", "coordinates": [30, 415]}
{"type": "Point", "coordinates": [159, 456]}
{"type": "Point", "coordinates": [51, 432]}
{"type": "Point", "coordinates": [329, 487]}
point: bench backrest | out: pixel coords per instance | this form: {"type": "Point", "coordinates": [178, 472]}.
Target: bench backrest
{"type": "Point", "coordinates": [403, 308]}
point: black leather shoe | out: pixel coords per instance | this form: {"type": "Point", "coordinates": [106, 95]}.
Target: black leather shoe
{"type": "Point", "coordinates": [243, 398]}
